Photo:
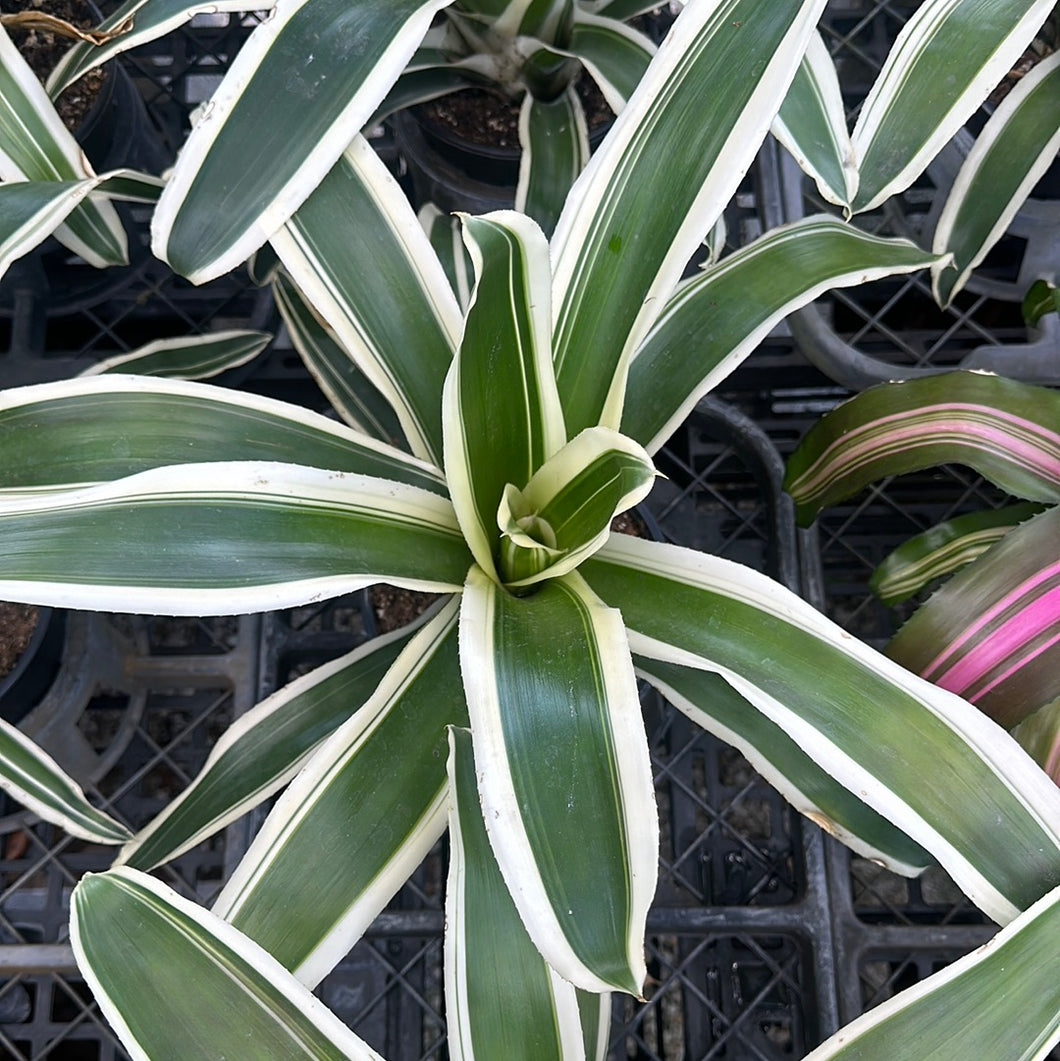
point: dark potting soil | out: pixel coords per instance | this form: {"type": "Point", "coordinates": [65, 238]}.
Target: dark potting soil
{"type": "Point", "coordinates": [17, 623]}
{"type": "Point", "coordinates": [42, 50]}
{"type": "Point", "coordinates": [486, 117]}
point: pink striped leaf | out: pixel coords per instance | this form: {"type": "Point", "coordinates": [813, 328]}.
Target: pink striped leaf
{"type": "Point", "coordinates": [1006, 431]}
{"type": "Point", "coordinates": [992, 633]}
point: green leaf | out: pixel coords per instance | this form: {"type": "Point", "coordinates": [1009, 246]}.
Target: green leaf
{"type": "Point", "coordinates": [397, 319]}
{"type": "Point", "coordinates": [1007, 431]}
{"type": "Point", "coordinates": [99, 428]}
{"type": "Point", "coordinates": [134, 23]}
{"type": "Point", "coordinates": [352, 396]}
{"type": "Point", "coordinates": [1015, 148]}
{"type": "Point", "coordinates": [33, 778]}
{"type": "Point", "coordinates": [561, 756]}
{"type": "Point", "coordinates": [502, 414]}
{"type": "Point", "coordinates": [193, 357]}
{"type": "Point", "coordinates": [30, 211]}
{"type": "Point", "coordinates": [1042, 297]}
{"type": "Point", "coordinates": [36, 146]}
{"type": "Point", "coordinates": [445, 234]}
{"type": "Point", "coordinates": [225, 538]}
{"type": "Point", "coordinates": [992, 633]}
{"type": "Point", "coordinates": [965, 46]}
{"type": "Point", "coordinates": [715, 320]}
{"type": "Point", "coordinates": [359, 818]}
{"type": "Point", "coordinates": [615, 54]}
{"type": "Point", "coordinates": [620, 245]}
{"type": "Point", "coordinates": [713, 704]}
{"type": "Point", "coordinates": [564, 513]}
{"type": "Point", "coordinates": [263, 749]}
{"type": "Point", "coordinates": [989, 816]}
{"type": "Point", "coordinates": [297, 93]}
{"type": "Point", "coordinates": [812, 125]}
{"type": "Point", "coordinates": [1000, 1001]}
{"type": "Point", "coordinates": [502, 1000]}
{"type": "Point", "coordinates": [175, 981]}
{"type": "Point", "coordinates": [945, 548]}
{"type": "Point", "coordinates": [555, 147]}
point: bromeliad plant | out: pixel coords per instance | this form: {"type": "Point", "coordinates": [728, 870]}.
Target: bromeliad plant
{"type": "Point", "coordinates": [992, 633]}
{"type": "Point", "coordinates": [530, 420]}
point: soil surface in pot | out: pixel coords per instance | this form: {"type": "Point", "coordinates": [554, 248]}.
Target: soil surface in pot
{"type": "Point", "coordinates": [485, 117]}
{"type": "Point", "coordinates": [17, 623]}
{"type": "Point", "coordinates": [43, 50]}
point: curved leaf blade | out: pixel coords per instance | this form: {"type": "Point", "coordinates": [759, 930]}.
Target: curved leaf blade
{"type": "Point", "coordinates": [30, 211]}
{"type": "Point", "coordinates": [216, 994]}
{"type": "Point", "coordinates": [1015, 148]}
{"type": "Point", "coordinates": [555, 146]}
{"type": "Point", "coordinates": [36, 146]}
{"type": "Point", "coordinates": [715, 320]}
{"type": "Point", "coordinates": [615, 54]}
{"type": "Point", "coordinates": [966, 46]}
{"type": "Point", "coordinates": [33, 778]}
{"type": "Point", "coordinates": [713, 704]}
{"type": "Point", "coordinates": [226, 538]}
{"type": "Point", "coordinates": [398, 319]}
{"type": "Point", "coordinates": [945, 548]}
{"type": "Point", "coordinates": [1006, 431]}
{"type": "Point", "coordinates": [961, 1011]}
{"type": "Point", "coordinates": [561, 755]}
{"type": "Point", "coordinates": [502, 411]}
{"type": "Point", "coordinates": [812, 125]}
{"type": "Point", "coordinates": [99, 428]}
{"type": "Point", "coordinates": [263, 749]}
{"type": "Point", "coordinates": [992, 633]}
{"type": "Point", "coordinates": [297, 93]}
{"type": "Point", "coordinates": [134, 23]}
{"type": "Point", "coordinates": [502, 1000]}
{"type": "Point", "coordinates": [193, 357]}
{"type": "Point", "coordinates": [620, 245]}
{"type": "Point", "coordinates": [564, 514]}
{"type": "Point", "coordinates": [990, 817]}
{"type": "Point", "coordinates": [359, 818]}
{"type": "Point", "coordinates": [1039, 735]}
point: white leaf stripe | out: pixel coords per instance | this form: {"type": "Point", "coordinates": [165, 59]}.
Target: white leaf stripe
{"type": "Point", "coordinates": [33, 778]}
{"type": "Point", "coordinates": [290, 494]}
{"type": "Point", "coordinates": [504, 815]}
{"type": "Point", "coordinates": [86, 390]}
{"type": "Point", "coordinates": [277, 190]}
{"type": "Point", "coordinates": [410, 379]}
{"type": "Point", "coordinates": [973, 43]}
{"type": "Point", "coordinates": [1025, 793]}
{"type": "Point", "coordinates": [987, 184]}
{"type": "Point", "coordinates": [241, 895]}
{"type": "Point", "coordinates": [139, 22]}
{"type": "Point", "coordinates": [194, 357]}
{"type": "Point", "coordinates": [591, 298]}
{"type": "Point", "coordinates": [258, 988]}
{"type": "Point", "coordinates": [962, 1010]}
{"type": "Point", "coordinates": [256, 732]}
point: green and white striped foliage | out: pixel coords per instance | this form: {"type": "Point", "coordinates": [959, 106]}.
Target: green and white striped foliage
{"type": "Point", "coordinates": [36, 147]}
{"type": "Point", "coordinates": [967, 46]}
{"type": "Point", "coordinates": [125, 492]}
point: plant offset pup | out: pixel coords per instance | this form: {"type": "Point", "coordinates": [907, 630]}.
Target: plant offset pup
{"type": "Point", "coordinates": [511, 711]}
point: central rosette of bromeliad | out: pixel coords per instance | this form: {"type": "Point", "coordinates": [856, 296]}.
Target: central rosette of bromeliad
{"type": "Point", "coordinates": [564, 513]}
{"type": "Point", "coordinates": [532, 497]}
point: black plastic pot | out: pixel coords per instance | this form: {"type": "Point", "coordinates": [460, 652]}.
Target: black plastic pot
{"type": "Point", "coordinates": [24, 686]}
